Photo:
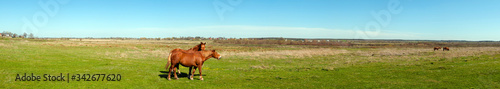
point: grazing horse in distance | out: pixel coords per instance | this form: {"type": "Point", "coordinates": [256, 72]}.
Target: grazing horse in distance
{"type": "Point", "coordinates": [437, 48]}
{"type": "Point", "coordinates": [199, 47]}
{"type": "Point", "coordinates": [446, 48]}
{"type": "Point", "coordinates": [193, 59]}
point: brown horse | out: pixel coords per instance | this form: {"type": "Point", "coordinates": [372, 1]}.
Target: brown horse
{"type": "Point", "coordinates": [437, 48]}
{"type": "Point", "coordinates": [194, 59]}
{"type": "Point", "coordinates": [199, 47]}
{"type": "Point", "coordinates": [446, 48]}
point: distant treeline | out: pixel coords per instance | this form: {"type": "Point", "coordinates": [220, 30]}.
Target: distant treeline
{"type": "Point", "coordinates": [372, 43]}
{"type": "Point", "coordinates": [284, 41]}
{"type": "Point", "coordinates": [141, 38]}
{"type": "Point", "coordinates": [8, 34]}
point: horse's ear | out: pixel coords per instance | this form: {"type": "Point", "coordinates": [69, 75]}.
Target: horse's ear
{"type": "Point", "coordinates": [205, 43]}
{"type": "Point", "coordinates": [201, 42]}
{"type": "Point", "coordinates": [213, 50]}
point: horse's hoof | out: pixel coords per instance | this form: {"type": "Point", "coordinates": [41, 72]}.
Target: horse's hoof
{"type": "Point", "coordinates": [168, 78]}
{"type": "Point", "coordinates": [201, 79]}
{"type": "Point", "coordinates": [191, 78]}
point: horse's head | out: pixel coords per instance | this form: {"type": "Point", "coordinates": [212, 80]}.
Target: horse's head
{"type": "Point", "coordinates": [199, 47]}
{"type": "Point", "coordinates": [202, 46]}
{"type": "Point", "coordinates": [216, 55]}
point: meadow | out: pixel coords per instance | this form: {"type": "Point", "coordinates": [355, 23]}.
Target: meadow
{"type": "Point", "coordinates": [141, 64]}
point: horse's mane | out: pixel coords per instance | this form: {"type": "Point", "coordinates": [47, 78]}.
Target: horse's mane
{"type": "Point", "coordinates": [197, 47]}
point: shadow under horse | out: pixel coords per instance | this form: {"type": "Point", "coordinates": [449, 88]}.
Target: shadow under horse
{"type": "Point", "coordinates": [164, 74]}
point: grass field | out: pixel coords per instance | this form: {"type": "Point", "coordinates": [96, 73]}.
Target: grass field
{"type": "Point", "coordinates": [141, 64]}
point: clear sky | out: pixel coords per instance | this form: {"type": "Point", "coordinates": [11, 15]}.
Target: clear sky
{"type": "Point", "coordinates": [345, 19]}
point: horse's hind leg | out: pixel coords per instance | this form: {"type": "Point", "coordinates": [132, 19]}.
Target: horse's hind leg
{"type": "Point", "coordinates": [175, 73]}
{"type": "Point", "coordinates": [170, 71]}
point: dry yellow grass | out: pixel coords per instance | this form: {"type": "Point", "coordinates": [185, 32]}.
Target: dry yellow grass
{"type": "Point", "coordinates": [287, 53]}
{"type": "Point", "coordinates": [411, 54]}
{"type": "Point", "coordinates": [159, 49]}
{"type": "Point", "coordinates": [7, 45]}
{"type": "Point", "coordinates": [454, 52]}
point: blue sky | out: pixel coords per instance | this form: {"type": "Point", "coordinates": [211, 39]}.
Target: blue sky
{"type": "Point", "coordinates": [345, 19]}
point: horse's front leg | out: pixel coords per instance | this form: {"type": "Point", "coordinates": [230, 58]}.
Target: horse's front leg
{"type": "Point", "coordinates": [189, 76]}
{"type": "Point", "coordinates": [192, 75]}
{"type": "Point", "coordinates": [199, 69]}
{"type": "Point", "coordinates": [178, 70]}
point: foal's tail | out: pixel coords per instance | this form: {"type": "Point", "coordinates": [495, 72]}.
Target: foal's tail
{"type": "Point", "coordinates": [169, 60]}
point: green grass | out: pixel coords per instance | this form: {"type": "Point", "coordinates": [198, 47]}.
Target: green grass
{"type": "Point", "coordinates": [19, 57]}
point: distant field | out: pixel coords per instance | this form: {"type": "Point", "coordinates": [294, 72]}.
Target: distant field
{"type": "Point", "coordinates": [141, 64]}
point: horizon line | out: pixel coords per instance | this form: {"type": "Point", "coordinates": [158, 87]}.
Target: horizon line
{"type": "Point", "coordinates": [290, 38]}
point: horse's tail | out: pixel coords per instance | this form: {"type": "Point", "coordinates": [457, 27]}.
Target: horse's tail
{"type": "Point", "coordinates": [169, 60]}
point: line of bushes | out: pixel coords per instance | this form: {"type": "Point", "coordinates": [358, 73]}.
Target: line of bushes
{"type": "Point", "coordinates": [283, 42]}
